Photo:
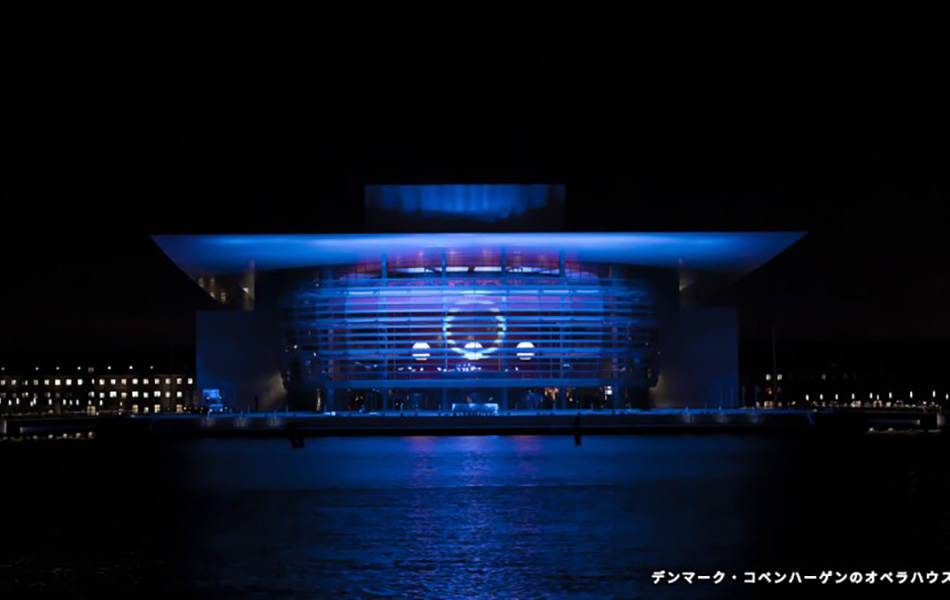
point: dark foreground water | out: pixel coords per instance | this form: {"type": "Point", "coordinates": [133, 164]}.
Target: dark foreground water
{"type": "Point", "coordinates": [474, 517]}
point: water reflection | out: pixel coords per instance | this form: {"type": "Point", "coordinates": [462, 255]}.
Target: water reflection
{"type": "Point", "coordinates": [484, 516]}
{"type": "Point", "coordinates": [475, 517]}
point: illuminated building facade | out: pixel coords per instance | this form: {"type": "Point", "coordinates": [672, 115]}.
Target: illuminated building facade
{"type": "Point", "coordinates": [422, 321]}
{"type": "Point", "coordinates": [95, 389]}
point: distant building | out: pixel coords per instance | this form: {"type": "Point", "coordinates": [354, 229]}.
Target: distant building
{"type": "Point", "coordinates": [95, 389]}
{"type": "Point", "coordinates": [853, 375]}
{"type": "Point", "coordinates": [423, 318]}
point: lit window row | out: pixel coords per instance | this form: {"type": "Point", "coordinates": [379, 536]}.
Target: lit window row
{"type": "Point", "coordinates": [69, 382]}
{"type": "Point", "coordinates": [33, 398]}
{"type": "Point", "coordinates": [112, 394]}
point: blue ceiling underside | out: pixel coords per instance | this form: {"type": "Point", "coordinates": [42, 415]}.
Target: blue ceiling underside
{"type": "Point", "coordinates": [222, 254]}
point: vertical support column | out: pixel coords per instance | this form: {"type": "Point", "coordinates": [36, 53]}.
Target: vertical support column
{"type": "Point", "coordinates": [387, 400]}
{"type": "Point", "coordinates": [326, 279]}
{"type": "Point", "coordinates": [562, 278]}
{"type": "Point", "coordinates": [382, 309]}
{"type": "Point", "coordinates": [504, 399]}
{"type": "Point", "coordinates": [561, 398]}
{"type": "Point", "coordinates": [505, 346]}
{"type": "Point", "coordinates": [445, 400]}
{"type": "Point", "coordinates": [443, 346]}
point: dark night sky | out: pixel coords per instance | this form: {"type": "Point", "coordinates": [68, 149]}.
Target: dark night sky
{"type": "Point", "coordinates": [828, 117]}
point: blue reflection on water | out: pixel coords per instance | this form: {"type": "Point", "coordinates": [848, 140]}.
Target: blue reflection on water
{"type": "Point", "coordinates": [480, 516]}
{"type": "Point", "coordinates": [485, 517]}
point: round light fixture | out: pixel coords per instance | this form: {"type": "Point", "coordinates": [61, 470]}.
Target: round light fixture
{"type": "Point", "coordinates": [523, 350]}
{"type": "Point", "coordinates": [420, 351]}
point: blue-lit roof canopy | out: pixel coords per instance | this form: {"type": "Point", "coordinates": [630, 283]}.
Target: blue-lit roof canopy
{"type": "Point", "coordinates": [726, 252]}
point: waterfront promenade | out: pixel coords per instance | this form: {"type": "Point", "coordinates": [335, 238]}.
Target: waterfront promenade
{"type": "Point", "coordinates": [300, 424]}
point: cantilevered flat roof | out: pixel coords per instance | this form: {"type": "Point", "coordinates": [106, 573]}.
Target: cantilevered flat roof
{"type": "Point", "coordinates": [221, 254]}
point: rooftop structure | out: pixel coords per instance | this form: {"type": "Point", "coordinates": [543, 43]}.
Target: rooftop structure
{"type": "Point", "coordinates": [425, 320]}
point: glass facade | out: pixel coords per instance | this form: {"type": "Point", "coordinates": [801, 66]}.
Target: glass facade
{"type": "Point", "coordinates": [495, 318]}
